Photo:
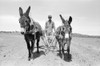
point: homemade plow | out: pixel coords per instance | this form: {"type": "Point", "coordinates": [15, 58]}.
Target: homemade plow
{"type": "Point", "coordinates": [50, 43]}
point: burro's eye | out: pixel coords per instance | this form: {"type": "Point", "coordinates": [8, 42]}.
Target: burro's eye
{"type": "Point", "coordinates": [26, 21]}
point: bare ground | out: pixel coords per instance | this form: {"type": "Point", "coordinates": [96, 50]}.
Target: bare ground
{"type": "Point", "coordinates": [13, 52]}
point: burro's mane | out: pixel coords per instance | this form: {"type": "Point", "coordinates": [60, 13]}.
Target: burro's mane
{"type": "Point", "coordinates": [37, 26]}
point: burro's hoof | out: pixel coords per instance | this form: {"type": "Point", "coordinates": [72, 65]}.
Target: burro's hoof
{"type": "Point", "coordinates": [29, 59]}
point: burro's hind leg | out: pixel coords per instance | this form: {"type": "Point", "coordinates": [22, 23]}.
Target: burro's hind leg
{"type": "Point", "coordinates": [38, 34]}
{"type": "Point", "coordinates": [38, 45]}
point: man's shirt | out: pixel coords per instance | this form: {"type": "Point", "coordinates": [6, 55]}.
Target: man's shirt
{"type": "Point", "coordinates": [49, 26]}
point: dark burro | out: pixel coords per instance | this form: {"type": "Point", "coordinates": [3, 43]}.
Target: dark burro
{"type": "Point", "coordinates": [31, 30]}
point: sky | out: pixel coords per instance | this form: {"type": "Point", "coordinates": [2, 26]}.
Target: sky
{"type": "Point", "coordinates": [85, 14]}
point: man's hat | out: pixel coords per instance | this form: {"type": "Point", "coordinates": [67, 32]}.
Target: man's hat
{"type": "Point", "coordinates": [49, 16]}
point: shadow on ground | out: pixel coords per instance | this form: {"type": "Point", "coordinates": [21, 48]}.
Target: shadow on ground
{"type": "Point", "coordinates": [67, 57]}
{"type": "Point", "coordinates": [36, 55]}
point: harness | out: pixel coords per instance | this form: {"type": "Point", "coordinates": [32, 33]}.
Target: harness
{"type": "Point", "coordinates": [34, 26]}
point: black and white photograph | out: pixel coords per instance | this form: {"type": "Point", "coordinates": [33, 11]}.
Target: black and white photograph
{"type": "Point", "coordinates": [49, 32]}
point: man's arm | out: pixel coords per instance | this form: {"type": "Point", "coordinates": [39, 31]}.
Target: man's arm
{"type": "Point", "coordinates": [45, 31]}
{"type": "Point", "coordinates": [54, 26]}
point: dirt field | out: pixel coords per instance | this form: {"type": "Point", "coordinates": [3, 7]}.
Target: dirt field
{"type": "Point", "coordinates": [85, 51]}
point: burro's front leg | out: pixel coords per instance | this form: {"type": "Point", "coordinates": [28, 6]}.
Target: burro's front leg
{"type": "Point", "coordinates": [68, 45]}
{"type": "Point", "coordinates": [59, 43]}
{"type": "Point", "coordinates": [38, 45]}
{"type": "Point", "coordinates": [60, 46]}
{"type": "Point", "coordinates": [28, 47]}
{"type": "Point", "coordinates": [63, 45]}
{"type": "Point", "coordinates": [32, 48]}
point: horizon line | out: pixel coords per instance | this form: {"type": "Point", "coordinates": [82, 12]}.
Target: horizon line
{"type": "Point", "coordinates": [72, 33]}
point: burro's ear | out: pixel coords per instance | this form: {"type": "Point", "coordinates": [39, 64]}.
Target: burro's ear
{"type": "Point", "coordinates": [28, 10]}
{"type": "Point", "coordinates": [70, 20]}
{"type": "Point", "coordinates": [63, 20]}
{"type": "Point", "coordinates": [20, 11]}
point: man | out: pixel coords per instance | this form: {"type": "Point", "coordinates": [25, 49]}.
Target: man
{"type": "Point", "coordinates": [49, 32]}
{"type": "Point", "coordinates": [49, 26]}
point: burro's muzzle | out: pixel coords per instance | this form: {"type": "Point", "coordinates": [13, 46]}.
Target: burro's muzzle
{"type": "Point", "coordinates": [23, 31]}
{"type": "Point", "coordinates": [66, 35]}
{"type": "Point", "coordinates": [62, 35]}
